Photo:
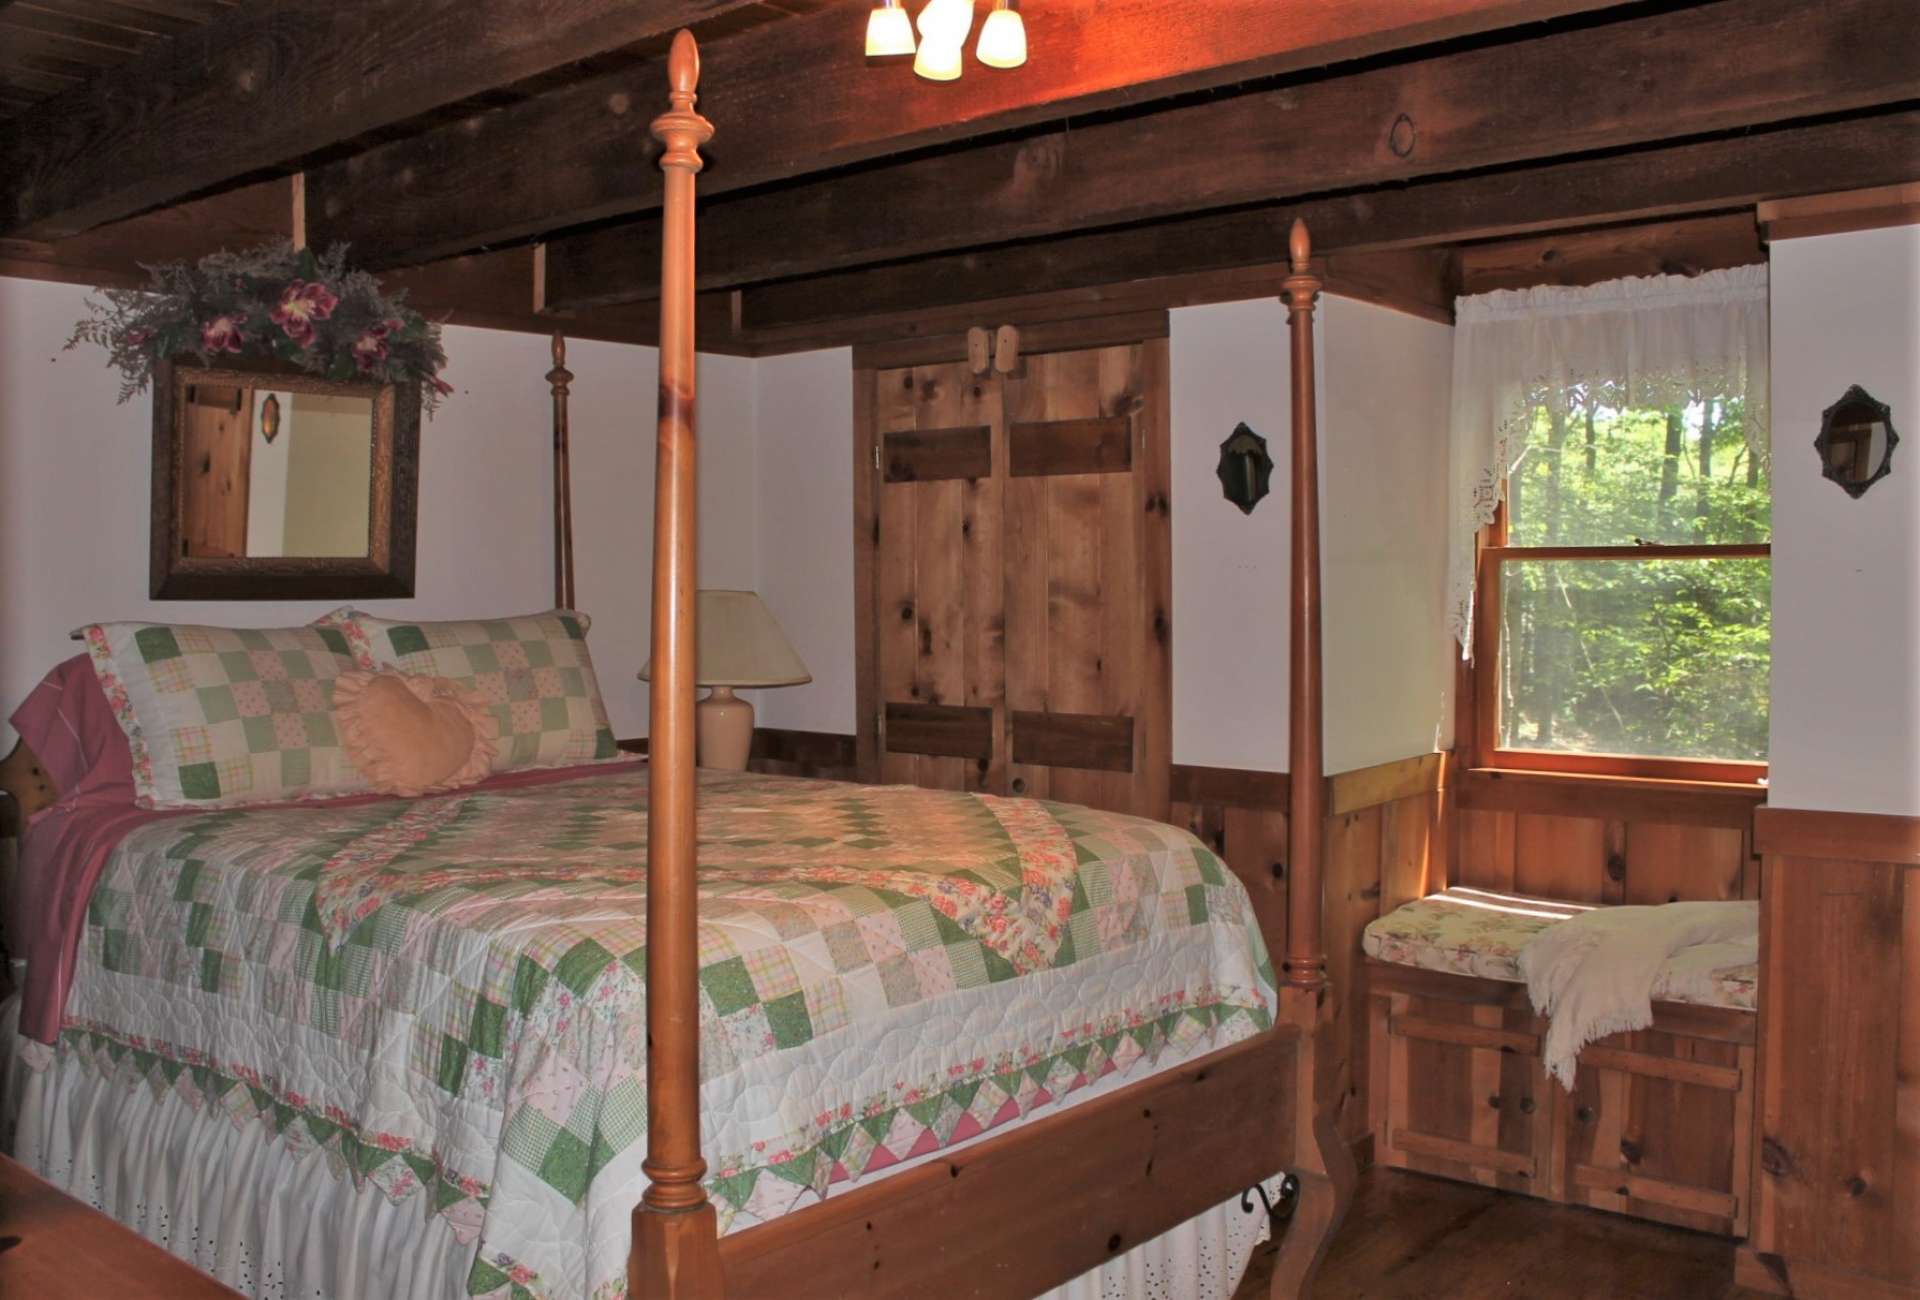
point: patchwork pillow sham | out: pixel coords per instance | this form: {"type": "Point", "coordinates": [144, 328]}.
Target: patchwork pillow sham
{"type": "Point", "coordinates": [533, 671]}
{"type": "Point", "coordinates": [216, 716]}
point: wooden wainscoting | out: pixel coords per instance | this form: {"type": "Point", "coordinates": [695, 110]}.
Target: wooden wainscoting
{"type": "Point", "coordinates": [1596, 839]}
{"type": "Point", "coordinates": [1837, 1196]}
{"type": "Point", "coordinates": [1381, 828]}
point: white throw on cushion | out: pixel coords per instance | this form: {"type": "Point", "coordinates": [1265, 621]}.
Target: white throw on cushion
{"type": "Point", "coordinates": [1594, 974]}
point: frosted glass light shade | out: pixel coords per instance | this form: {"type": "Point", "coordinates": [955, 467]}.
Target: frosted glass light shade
{"type": "Point", "coordinates": [1003, 39]}
{"type": "Point", "coordinates": [740, 644]}
{"type": "Point", "coordinates": [939, 60]}
{"type": "Point", "coordinates": [946, 21]}
{"type": "Point", "coordinates": [889, 32]}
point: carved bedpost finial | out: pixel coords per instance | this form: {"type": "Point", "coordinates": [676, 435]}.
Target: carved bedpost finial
{"type": "Point", "coordinates": [681, 129]}
{"type": "Point", "coordinates": [1302, 287]}
{"type": "Point", "coordinates": [559, 376]}
{"type": "Point", "coordinates": [1299, 246]}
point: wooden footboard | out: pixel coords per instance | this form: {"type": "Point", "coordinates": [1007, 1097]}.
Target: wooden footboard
{"type": "Point", "coordinates": [1017, 1214]}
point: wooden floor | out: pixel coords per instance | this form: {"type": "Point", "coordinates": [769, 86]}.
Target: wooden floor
{"type": "Point", "coordinates": [1416, 1237]}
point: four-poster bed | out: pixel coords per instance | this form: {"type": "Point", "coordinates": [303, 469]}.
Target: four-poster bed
{"type": "Point", "coordinates": [1016, 1214]}
{"type": "Point", "coordinates": [345, 915]}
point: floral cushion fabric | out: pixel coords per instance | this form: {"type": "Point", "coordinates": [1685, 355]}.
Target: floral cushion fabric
{"type": "Point", "coordinates": [534, 673]}
{"type": "Point", "coordinates": [1477, 932]}
{"type": "Point", "coordinates": [217, 716]}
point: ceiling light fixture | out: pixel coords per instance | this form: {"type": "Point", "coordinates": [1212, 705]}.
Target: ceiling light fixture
{"type": "Point", "coordinates": [944, 25]}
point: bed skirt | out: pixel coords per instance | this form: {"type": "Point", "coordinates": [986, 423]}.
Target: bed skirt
{"type": "Point", "coordinates": [275, 1222]}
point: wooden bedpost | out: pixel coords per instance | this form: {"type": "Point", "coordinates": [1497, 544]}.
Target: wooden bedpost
{"type": "Point", "coordinates": [676, 1247]}
{"type": "Point", "coordinates": [559, 378]}
{"type": "Point", "coordinates": [1325, 1169]}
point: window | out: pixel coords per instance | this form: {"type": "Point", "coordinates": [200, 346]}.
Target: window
{"type": "Point", "coordinates": [1623, 600]}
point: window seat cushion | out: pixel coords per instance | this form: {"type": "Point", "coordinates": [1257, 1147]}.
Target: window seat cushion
{"type": "Point", "coordinates": [1465, 931]}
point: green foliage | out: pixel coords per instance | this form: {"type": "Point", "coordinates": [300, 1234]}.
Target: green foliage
{"type": "Point", "coordinates": [1657, 657]}
{"type": "Point", "coordinates": [276, 302]}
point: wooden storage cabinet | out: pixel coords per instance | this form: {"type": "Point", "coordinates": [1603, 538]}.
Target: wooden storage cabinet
{"type": "Point", "coordinates": [1659, 1125]}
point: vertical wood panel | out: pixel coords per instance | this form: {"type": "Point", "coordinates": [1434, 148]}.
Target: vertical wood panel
{"type": "Point", "coordinates": [1153, 494]}
{"type": "Point", "coordinates": [1560, 857]}
{"type": "Point", "coordinates": [866, 551]}
{"type": "Point", "coordinates": [1485, 856]}
{"type": "Point", "coordinates": [1351, 872]}
{"type": "Point", "coordinates": [1833, 1024]}
{"type": "Point", "coordinates": [1027, 527]}
{"type": "Point", "coordinates": [1668, 863]}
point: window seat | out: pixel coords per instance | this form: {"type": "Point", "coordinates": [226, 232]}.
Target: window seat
{"type": "Point", "coordinates": [1463, 931]}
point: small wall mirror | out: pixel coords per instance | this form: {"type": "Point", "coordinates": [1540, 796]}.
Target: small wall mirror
{"type": "Point", "coordinates": [1856, 441]}
{"type": "Point", "coordinates": [272, 484]}
{"type": "Point", "coordinates": [1245, 470]}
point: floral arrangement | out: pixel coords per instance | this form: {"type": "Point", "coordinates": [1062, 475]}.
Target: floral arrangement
{"type": "Point", "coordinates": [275, 302]}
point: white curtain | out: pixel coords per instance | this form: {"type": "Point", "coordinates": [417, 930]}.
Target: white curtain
{"type": "Point", "coordinates": [1659, 341]}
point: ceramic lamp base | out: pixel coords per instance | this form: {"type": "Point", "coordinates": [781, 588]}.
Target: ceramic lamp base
{"type": "Point", "coordinates": [723, 724]}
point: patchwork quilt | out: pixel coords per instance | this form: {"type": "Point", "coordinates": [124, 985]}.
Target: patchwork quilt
{"type": "Point", "coordinates": [446, 995]}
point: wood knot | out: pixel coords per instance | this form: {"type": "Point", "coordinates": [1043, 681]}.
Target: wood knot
{"type": "Point", "coordinates": [1113, 1244]}
{"type": "Point", "coordinates": [1630, 1151]}
{"type": "Point", "coordinates": [1856, 1186]}
{"type": "Point", "coordinates": [1401, 136]}
{"type": "Point", "coordinates": [1775, 1159]}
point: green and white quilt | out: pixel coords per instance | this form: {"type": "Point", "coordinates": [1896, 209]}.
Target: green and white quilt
{"type": "Point", "coordinates": [446, 994]}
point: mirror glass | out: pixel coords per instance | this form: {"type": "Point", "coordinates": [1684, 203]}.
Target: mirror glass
{"type": "Point", "coordinates": [274, 472]}
{"type": "Point", "coordinates": [1856, 441]}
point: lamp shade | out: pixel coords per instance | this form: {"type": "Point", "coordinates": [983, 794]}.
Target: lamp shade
{"type": "Point", "coordinates": [889, 31]}
{"type": "Point", "coordinates": [1003, 39]}
{"type": "Point", "coordinates": [740, 644]}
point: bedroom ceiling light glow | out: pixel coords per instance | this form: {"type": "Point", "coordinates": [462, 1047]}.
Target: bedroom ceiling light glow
{"type": "Point", "coordinates": [944, 25]}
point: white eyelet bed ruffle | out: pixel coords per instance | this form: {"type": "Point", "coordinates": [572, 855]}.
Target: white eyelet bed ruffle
{"type": "Point", "coordinates": [276, 1223]}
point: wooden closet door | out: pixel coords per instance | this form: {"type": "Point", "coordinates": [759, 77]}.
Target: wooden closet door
{"type": "Point", "coordinates": [1088, 578]}
{"type": "Point", "coordinates": [1013, 570]}
{"type": "Point", "coordinates": [937, 611]}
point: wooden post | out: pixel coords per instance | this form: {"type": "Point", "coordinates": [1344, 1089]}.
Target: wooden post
{"type": "Point", "coordinates": [559, 378]}
{"type": "Point", "coordinates": [1306, 957]}
{"type": "Point", "coordinates": [676, 1246]}
{"type": "Point", "coordinates": [1324, 1167]}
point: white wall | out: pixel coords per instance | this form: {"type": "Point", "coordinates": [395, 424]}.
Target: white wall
{"type": "Point", "coordinates": [1385, 386]}
{"type": "Point", "coordinates": [1846, 574]}
{"type": "Point", "coordinates": [74, 483]}
{"type": "Point", "coordinates": [1383, 381]}
{"type": "Point", "coordinates": [267, 480]}
{"type": "Point", "coordinates": [805, 508]}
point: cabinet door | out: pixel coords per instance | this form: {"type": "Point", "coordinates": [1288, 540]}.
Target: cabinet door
{"type": "Point", "coordinates": [1464, 1093]}
{"type": "Point", "coordinates": [938, 603]}
{"type": "Point", "coordinates": [1658, 1126]}
{"type": "Point", "coordinates": [1087, 563]}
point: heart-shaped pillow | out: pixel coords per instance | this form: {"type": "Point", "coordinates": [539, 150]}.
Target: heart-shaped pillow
{"type": "Point", "coordinates": [410, 734]}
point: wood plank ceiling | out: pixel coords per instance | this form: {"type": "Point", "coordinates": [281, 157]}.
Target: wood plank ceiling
{"type": "Point", "coordinates": [1151, 153]}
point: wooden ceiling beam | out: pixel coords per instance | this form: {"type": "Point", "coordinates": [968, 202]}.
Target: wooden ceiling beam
{"type": "Point", "coordinates": [1673, 180]}
{"type": "Point", "coordinates": [1715, 67]}
{"type": "Point", "coordinates": [797, 97]}
{"type": "Point", "coordinates": [278, 81]}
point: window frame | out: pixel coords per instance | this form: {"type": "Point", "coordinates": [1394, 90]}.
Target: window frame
{"type": "Point", "coordinates": [1482, 675]}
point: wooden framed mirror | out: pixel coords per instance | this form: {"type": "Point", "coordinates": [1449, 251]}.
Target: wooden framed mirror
{"type": "Point", "coordinates": [1856, 441]}
{"type": "Point", "coordinates": [273, 484]}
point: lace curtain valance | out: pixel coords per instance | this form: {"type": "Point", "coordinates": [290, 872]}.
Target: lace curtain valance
{"type": "Point", "coordinates": [1660, 341]}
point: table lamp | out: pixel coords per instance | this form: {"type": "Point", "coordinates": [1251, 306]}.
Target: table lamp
{"type": "Point", "coordinates": [737, 644]}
